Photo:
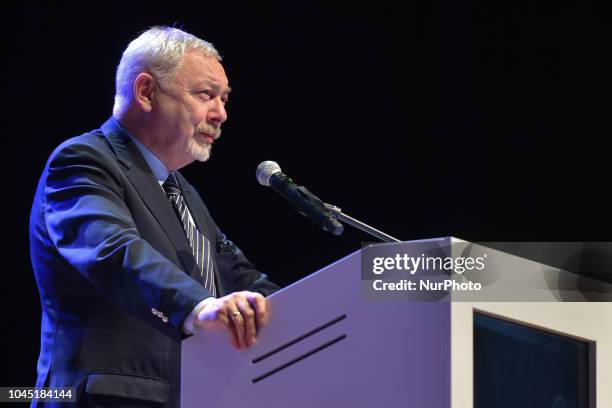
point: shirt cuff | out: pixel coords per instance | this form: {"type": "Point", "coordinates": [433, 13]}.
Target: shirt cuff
{"type": "Point", "coordinates": [188, 326]}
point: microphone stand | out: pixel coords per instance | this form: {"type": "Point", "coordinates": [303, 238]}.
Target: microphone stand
{"type": "Point", "coordinates": [337, 213]}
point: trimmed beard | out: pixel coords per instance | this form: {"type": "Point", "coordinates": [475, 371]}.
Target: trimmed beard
{"type": "Point", "coordinates": [199, 150]}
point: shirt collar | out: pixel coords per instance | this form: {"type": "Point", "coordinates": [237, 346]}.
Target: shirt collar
{"type": "Point", "coordinates": [157, 167]}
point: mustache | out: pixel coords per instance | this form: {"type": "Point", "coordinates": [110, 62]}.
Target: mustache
{"type": "Point", "coordinates": [210, 130]}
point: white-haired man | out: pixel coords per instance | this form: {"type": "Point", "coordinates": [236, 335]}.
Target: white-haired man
{"type": "Point", "coordinates": [127, 259]}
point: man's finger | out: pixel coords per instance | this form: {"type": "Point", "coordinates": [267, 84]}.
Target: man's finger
{"type": "Point", "coordinates": [258, 303]}
{"type": "Point", "coordinates": [234, 336]}
{"type": "Point", "coordinates": [250, 329]}
{"type": "Point", "coordinates": [239, 326]}
{"type": "Point", "coordinates": [223, 319]}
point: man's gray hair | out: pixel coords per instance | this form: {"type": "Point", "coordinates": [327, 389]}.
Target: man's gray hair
{"type": "Point", "coordinates": [157, 51]}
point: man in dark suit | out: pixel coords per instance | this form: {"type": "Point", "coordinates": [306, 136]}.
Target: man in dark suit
{"type": "Point", "coordinates": [126, 256]}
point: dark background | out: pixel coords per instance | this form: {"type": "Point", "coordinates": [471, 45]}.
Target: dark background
{"type": "Point", "coordinates": [478, 119]}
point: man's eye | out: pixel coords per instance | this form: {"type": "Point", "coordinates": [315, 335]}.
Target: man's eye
{"type": "Point", "coordinates": [206, 93]}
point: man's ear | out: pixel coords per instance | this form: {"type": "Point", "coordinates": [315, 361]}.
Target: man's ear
{"type": "Point", "coordinates": [144, 89]}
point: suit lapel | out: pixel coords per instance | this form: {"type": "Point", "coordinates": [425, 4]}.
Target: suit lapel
{"type": "Point", "coordinates": [143, 180]}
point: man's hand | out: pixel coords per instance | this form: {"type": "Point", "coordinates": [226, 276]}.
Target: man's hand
{"type": "Point", "coordinates": [240, 313]}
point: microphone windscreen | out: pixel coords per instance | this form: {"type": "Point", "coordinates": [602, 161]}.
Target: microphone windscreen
{"type": "Point", "coordinates": [266, 170]}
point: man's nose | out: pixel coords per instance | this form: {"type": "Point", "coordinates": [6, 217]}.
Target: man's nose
{"type": "Point", "coordinates": [217, 114]}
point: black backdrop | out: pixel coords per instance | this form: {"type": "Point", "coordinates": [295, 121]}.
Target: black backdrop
{"type": "Point", "coordinates": [478, 119]}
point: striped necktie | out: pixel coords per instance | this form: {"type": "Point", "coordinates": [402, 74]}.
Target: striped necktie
{"type": "Point", "coordinates": [200, 245]}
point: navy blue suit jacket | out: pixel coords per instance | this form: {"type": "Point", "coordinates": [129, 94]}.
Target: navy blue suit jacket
{"type": "Point", "coordinates": [114, 270]}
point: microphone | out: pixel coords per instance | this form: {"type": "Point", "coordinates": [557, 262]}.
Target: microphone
{"type": "Point", "coordinates": [269, 174]}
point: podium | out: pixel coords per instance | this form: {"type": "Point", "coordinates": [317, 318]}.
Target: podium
{"type": "Point", "coordinates": [332, 341]}
{"type": "Point", "coordinates": [327, 346]}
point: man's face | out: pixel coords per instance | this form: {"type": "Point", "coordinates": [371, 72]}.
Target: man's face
{"type": "Point", "coordinates": [190, 110]}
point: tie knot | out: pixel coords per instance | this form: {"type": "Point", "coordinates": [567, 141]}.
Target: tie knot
{"type": "Point", "coordinates": [171, 186]}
